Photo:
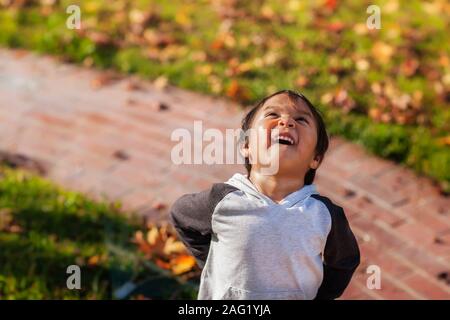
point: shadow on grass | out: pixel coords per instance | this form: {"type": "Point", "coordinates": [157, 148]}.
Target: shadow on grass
{"type": "Point", "coordinates": [44, 229]}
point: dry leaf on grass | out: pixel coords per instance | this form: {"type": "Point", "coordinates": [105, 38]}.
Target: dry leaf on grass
{"type": "Point", "coordinates": [162, 247]}
{"type": "Point", "coordinates": [182, 264]}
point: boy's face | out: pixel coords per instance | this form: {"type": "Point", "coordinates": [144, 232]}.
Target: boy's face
{"type": "Point", "coordinates": [287, 133]}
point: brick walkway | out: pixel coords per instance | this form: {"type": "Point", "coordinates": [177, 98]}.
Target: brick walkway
{"type": "Point", "coordinates": [111, 137]}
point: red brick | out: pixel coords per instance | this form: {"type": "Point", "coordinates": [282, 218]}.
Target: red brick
{"type": "Point", "coordinates": [52, 120]}
{"type": "Point", "coordinates": [393, 290]}
{"type": "Point", "coordinates": [366, 205]}
{"type": "Point", "coordinates": [348, 154]}
{"type": "Point", "coordinates": [336, 143]}
{"type": "Point", "coordinates": [415, 232]}
{"type": "Point", "coordinates": [355, 292]}
{"type": "Point", "coordinates": [137, 199]}
{"type": "Point", "coordinates": [382, 194]}
{"type": "Point", "coordinates": [389, 239]}
{"type": "Point", "coordinates": [428, 287]}
{"type": "Point", "coordinates": [435, 222]}
{"type": "Point", "coordinates": [397, 178]}
{"type": "Point", "coordinates": [371, 167]}
{"type": "Point", "coordinates": [331, 168]}
{"type": "Point", "coordinates": [373, 254]}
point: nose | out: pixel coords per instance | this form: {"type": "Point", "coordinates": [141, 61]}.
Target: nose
{"type": "Point", "coordinates": [286, 122]}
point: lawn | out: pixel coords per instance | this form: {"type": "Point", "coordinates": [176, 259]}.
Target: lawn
{"type": "Point", "coordinates": [387, 89]}
{"type": "Point", "coordinates": [44, 229]}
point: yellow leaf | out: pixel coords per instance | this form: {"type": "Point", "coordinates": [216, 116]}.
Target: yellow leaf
{"type": "Point", "coordinates": [182, 264]}
{"type": "Point", "coordinates": [183, 19]}
{"type": "Point", "coordinates": [152, 235]}
{"type": "Point", "coordinates": [173, 246]}
{"type": "Point", "coordinates": [161, 82]}
{"type": "Point", "coordinates": [382, 51]}
{"type": "Point", "coordinates": [94, 260]}
{"type": "Point", "coordinates": [445, 141]}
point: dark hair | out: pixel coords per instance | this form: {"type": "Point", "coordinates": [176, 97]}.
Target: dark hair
{"type": "Point", "coordinates": [322, 136]}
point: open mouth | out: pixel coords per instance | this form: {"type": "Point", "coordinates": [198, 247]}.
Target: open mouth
{"type": "Point", "coordinates": [283, 138]}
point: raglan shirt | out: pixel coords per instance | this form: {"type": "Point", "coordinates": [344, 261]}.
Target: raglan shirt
{"type": "Point", "coordinates": [250, 247]}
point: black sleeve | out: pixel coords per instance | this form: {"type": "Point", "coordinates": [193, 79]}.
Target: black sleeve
{"type": "Point", "coordinates": [341, 255]}
{"type": "Point", "coordinates": [191, 217]}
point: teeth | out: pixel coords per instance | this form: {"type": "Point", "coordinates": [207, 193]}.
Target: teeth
{"type": "Point", "coordinates": [291, 141]}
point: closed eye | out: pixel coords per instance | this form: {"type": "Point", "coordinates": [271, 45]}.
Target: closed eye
{"type": "Point", "coordinates": [301, 119]}
{"type": "Point", "coordinates": [271, 114]}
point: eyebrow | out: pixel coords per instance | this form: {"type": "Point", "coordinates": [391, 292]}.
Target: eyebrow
{"type": "Point", "coordinates": [301, 112]}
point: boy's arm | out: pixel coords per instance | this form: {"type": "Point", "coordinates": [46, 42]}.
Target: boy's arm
{"type": "Point", "coordinates": [341, 254]}
{"type": "Point", "coordinates": [191, 215]}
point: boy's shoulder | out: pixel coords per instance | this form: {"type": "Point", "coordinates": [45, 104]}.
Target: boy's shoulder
{"type": "Point", "coordinates": [336, 211]}
{"type": "Point", "coordinates": [204, 201]}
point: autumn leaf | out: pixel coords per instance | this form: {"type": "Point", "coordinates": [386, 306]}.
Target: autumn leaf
{"type": "Point", "coordinates": [158, 39]}
{"type": "Point", "coordinates": [335, 26]}
{"type": "Point", "coordinates": [163, 264]}
{"type": "Point", "coordinates": [267, 12]}
{"type": "Point", "coordinates": [5, 218]}
{"type": "Point", "coordinates": [409, 67]}
{"type": "Point", "coordinates": [158, 205]}
{"type": "Point", "coordinates": [301, 81]}
{"type": "Point", "coordinates": [382, 52]}
{"type": "Point", "coordinates": [143, 246]}
{"type": "Point", "coordinates": [161, 82]}
{"type": "Point", "coordinates": [237, 92]}
{"type": "Point", "coordinates": [331, 4]}
{"type": "Point", "coordinates": [218, 44]}
{"type": "Point", "coordinates": [94, 260]}
{"type": "Point", "coordinates": [173, 246]}
{"type": "Point", "coordinates": [182, 264]}
{"type": "Point", "coordinates": [183, 18]}
{"type": "Point", "coordinates": [445, 141]}
{"type": "Point", "coordinates": [104, 79]}
{"type": "Point", "coordinates": [100, 38]}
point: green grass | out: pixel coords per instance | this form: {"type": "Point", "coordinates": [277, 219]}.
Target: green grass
{"type": "Point", "coordinates": [44, 229]}
{"type": "Point", "coordinates": [208, 54]}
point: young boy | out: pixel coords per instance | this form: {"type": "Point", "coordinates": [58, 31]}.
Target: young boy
{"type": "Point", "coordinates": [271, 236]}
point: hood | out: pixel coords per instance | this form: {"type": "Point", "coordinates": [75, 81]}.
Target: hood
{"type": "Point", "coordinates": [241, 182]}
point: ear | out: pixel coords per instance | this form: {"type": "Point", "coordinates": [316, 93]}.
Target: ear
{"type": "Point", "coordinates": [314, 164]}
{"type": "Point", "coordinates": [244, 150]}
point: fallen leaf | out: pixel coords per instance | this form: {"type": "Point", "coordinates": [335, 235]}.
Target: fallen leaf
{"type": "Point", "coordinates": [360, 29]}
{"type": "Point", "coordinates": [335, 26]}
{"type": "Point", "coordinates": [5, 218]}
{"type": "Point", "coordinates": [236, 92]}
{"type": "Point", "coordinates": [161, 82]}
{"type": "Point", "coordinates": [103, 80]}
{"type": "Point", "coordinates": [267, 12]}
{"type": "Point", "coordinates": [173, 246]}
{"type": "Point", "coordinates": [163, 264]}
{"type": "Point", "coordinates": [445, 141]}
{"type": "Point", "coordinates": [158, 205]}
{"type": "Point", "coordinates": [158, 39]}
{"type": "Point", "coordinates": [331, 4]}
{"type": "Point", "coordinates": [121, 155]}
{"type": "Point", "coordinates": [94, 260]}
{"type": "Point", "coordinates": [152, 235]}
{"type": "Point", "coordinates": [301, 81]}
{"type": "Point", "coordinates": [182, 264]}
{"type": "Point", "coordinates": [409, 67]}
{"type": "Point", "coordinates": [382, 52]}
{"type": "Point", "coordinates": [183, 18]}
{"type": "Point", "coordinates": [362, 65]}
{"type": "Point", "coordinates": [100, 38]}
{"type": "Point", "coordinates": [133, 86]}
{"type": "Point", "coordinates": [15, 228]}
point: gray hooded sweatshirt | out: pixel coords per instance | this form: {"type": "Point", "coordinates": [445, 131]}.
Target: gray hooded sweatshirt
{"type": "Point", "coordinates": [252, 248]}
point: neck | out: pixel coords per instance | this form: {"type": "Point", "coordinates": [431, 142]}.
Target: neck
{"type": "Point", "coordinates": [275, 187]}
